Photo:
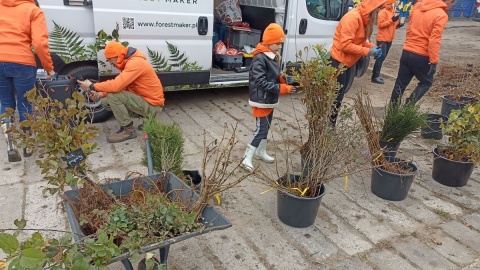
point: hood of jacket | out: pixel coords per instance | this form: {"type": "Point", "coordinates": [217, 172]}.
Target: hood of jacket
{"type": "Point", "coordinates": [128, 54]}
{"type": "Point", "coordinates": [432, 4]}
{"type": "Point", "coordinates": [367, 6]}
{"type": "Point", "coordinates": [13, 3]}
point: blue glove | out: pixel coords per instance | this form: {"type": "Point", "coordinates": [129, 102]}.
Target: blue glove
{"type": "Point", "coordinates": [376, 52]}
{"type": "Point", "coordinates": [433, 69]}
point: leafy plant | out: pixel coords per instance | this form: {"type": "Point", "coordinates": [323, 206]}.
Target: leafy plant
{"type": "Point", "coordinates": [464, 131]}
{"type": "Point", "coordinates": [55, 130]}
{"type": "Point", "coordinates": [68, 45]}
{"type": "Point", "coordinates": [176, 57]}
{"type": "Point", "coordinates": [158, 61]}
{"type": "Point", "coordinates": [328, 152]}
{"type": "Point", "coordinates": [401, 120]}
{"type": "Point", "coordinates": [177, 60]}
{"type": "Point", "coordinates": [39, 252]}
{"type": "Point", "coordinates": [166, 143]}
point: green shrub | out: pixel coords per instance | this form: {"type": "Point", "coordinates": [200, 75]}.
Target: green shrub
{"type": "Point", "coordinates": [401, 120]}
{"type": "Point", "coordinates": [166, 143]}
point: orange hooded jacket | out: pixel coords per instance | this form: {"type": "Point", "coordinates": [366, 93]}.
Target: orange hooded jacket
{"type": "Point", "coordinates": [22, 24]}
{"type": "Point", "coordinates": [349, 40]}
{"type": "Point", "coordinates": [425, 29]}
{"type": "Point", "coordinates": [137, 76]}
{"type": "Point", "coordinates": [386, 27]}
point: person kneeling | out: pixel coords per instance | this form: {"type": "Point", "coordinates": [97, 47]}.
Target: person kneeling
{"type": "Point", "coordinates": [137, 90]}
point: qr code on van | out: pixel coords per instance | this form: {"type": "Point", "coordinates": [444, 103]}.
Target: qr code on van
{"type": "Point", "coordinates": [128, 23]}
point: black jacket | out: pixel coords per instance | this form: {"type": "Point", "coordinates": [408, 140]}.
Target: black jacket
{"type": "Point", "coordinates": [264, 84]}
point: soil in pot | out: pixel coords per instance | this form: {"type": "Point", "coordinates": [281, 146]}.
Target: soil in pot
{"type": "Point", "coordinates": [451, 102]}
{"type": "Point", "coordinates": [393, 186]}
{"type": "Point", "coordinates": [295, 211]}
{"type": "Point", "coordinates": [450, 172]}
{"type": "Point", "coordinates": [432, 129]}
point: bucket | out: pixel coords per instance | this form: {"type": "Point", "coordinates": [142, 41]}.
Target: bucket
{"type": "Point", "coordinates": [449, 172]}
{"type": "Point", "coordinates": [295, 211]}
{"type": "Point", "coordinates": [393, 186]}
{"type": "Point", "coordinates": [432, 129]}
{"type": "Point", "coordinates": [389, 148]}
{"type": "Point", "coordinates": [448, 104]}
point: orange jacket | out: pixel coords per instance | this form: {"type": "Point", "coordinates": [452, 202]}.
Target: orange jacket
{"type": "Point", "coordinates": [22, 24]}
{"type": "Point", "coordinates": [424, 31]}
{"type": "Point", "coordinates": [386, 27]}
{"type": "Point", "coordinates": [137, 76]}
{"type": "Point", "coordinates": [349, 41]}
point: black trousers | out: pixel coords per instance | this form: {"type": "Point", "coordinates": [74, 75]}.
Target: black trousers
{"type": "Point", "coordinates": [412, 64]}
{"type": "Point", "coordinates": [343, 80]}
{"type": "Point", "coordinates": [385, 46]}
{"type": "Point", "coordinates": [261, 132]}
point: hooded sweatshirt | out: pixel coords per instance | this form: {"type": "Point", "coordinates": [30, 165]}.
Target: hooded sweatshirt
{"type": "Point", "coordinates": [386, 27]}
{"type": "Point", "coordinates": [22, 24]}
{"type": "Point", "coordinates": [425, 29]}
{"type": "Point", "coordinates": [349, 40]}
{"type": "Point", "coordinates": [137, 76]}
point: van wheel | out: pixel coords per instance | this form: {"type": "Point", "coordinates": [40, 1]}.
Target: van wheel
{"type": "Point", "coordinates": [97, 112]}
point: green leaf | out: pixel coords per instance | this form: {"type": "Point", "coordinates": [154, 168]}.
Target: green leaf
{"type": "Point", "coordinates": [8, 243]}
{"type": "Point", "coordinates": [20, 223]}
{"type": "Point", "coordinates": [32, 258]}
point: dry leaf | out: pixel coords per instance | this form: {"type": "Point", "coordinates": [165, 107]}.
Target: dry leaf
{"type": "Point", "coordinates": [436, 241]}
{"type": "Point", "coordinates": [469, 226]}
{"type": "Point", "coordinates": [3, 265]}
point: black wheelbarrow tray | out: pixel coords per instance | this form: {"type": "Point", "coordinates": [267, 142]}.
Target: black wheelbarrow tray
{"type": "Point", "coordinates": [212, 219]}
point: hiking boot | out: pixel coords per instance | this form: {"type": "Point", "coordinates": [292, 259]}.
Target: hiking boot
{"type": "Point", "coordinates": [13, 154]}
{"type": "Point", "coordinates": [123, 134]}
{"type": "Point", "coordinates": [378, 80]}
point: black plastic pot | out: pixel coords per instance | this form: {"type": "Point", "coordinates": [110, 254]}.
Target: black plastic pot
{"type": "Point", "coordinates": [295, 211]}
{"type": "Point", "coordinates": [194, 178]}
{"type": "Point", "coordinates": [393, 186]}
{"type": "Point", "coordinates": [448, 104]}
{"type": "Point", "coordinates": [389, 148]}
{"type": "Point", "coordinates": [450, 172]}
{"type": "Point", "coordinates": [433, 130]}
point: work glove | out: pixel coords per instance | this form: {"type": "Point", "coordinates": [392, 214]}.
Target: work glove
{"type": "Point", "coordinates": [400, 25]}
{"type": "Point", "coordinates": [282, 78]}
{"type": "Point", "coordinates": [376, 52]}
{"type": "Point", "coordinates": [395, 18]}
{"type": "Point", "coordinates": [433, 69]}
{"type": "Point", "coordinates": [286, 89]}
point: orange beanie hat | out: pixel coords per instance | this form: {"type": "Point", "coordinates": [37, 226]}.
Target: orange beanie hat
{"type": "Point", "coordinates": [113, 49]}
{"type": "Point", "coordinates": [273, 34]}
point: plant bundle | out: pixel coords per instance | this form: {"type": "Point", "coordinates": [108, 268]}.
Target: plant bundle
{"type": "Point", "coordinates": [464, 131]}
{"type": "Point", "coordinates": [329, 152]}
{"type": "Point", "coordinates": [401, 120]}
{"type": "Point", "coordinates": [166, 143]}
{"type": "Point", "coordinates": [364, 109]}
{"type": "Point", "coordinates": [55, 129]}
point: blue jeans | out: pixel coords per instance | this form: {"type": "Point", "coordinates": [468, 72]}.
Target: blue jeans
{"type": "Point", "coordinates": [15, 81]}
{"type": "Point", "coordinates": [385, 46]}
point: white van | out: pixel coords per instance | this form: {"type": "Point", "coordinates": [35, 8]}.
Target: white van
{"type": "Point", "coordinates": [176, 35]}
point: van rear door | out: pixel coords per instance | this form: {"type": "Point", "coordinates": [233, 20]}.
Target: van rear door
{"type": "Point", "coordinates": [175, 35]}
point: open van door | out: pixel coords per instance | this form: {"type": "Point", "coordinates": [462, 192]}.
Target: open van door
{"type": "Point", "coordinates": [175, 35]}
{"type": "Point", "coordinates": [314, 22]}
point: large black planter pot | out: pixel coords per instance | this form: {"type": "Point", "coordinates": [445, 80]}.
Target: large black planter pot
{"type": "Point", "coordinates": [389, 148]}
{"type": "Point", "coordinates": [433, 130]}
{"type": "Point", "coordinates": [298, 212]}
{"type": "Point", "coordinates": [450, 172]}
{"type": "Point", "coordinates": [392, 186]}
{"type": "Point", "coordinates": [448, 104]}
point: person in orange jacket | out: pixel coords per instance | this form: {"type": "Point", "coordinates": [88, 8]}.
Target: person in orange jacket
{"type": "Point", "coordinates": [22, 26]}
{"type": "Point", "coordinates": [350, 43]}
{"type": "Point", "coordinates": [387, 23]}
{"type": "Point", "coordinates": [421, 49]}
{"type": "Point", "coordinates": [136, 90]}
{"type": "Point", "coordinates": [266, 83]}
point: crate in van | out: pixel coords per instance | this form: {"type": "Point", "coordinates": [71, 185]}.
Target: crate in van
{"type": "Point", "coordinates": [228, 62]}
{"type": "Point", "coordinates": [239, 38]}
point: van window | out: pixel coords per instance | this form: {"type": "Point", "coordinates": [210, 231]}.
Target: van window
{"type": "Point", "coordinates": [325, 9]}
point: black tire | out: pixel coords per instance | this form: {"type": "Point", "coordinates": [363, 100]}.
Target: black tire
{"type": "Point", "coordinates": [97, 112]}
{"type": "Point", "coordinates": [350, 80]}
{"type": "Point", "coordinates": [362, 66]}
